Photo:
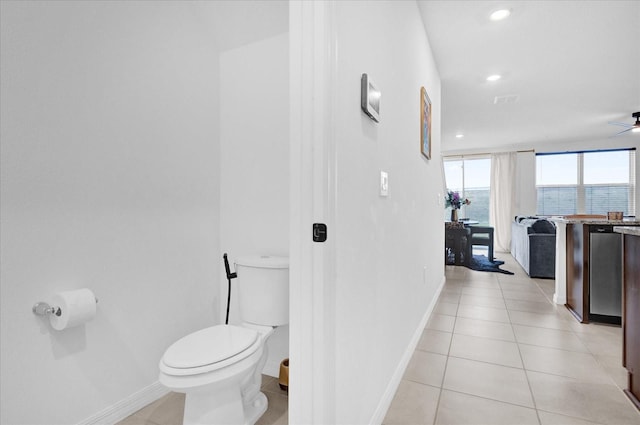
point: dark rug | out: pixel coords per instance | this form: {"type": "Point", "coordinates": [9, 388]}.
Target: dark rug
{"type": "Point", "coordinates": [482, 264]}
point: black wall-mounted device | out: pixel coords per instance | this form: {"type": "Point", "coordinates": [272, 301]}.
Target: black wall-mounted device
{"type": "Point", "coordinates": [370, 98]}
{"type": "Point", "coordinates": [319, 232]}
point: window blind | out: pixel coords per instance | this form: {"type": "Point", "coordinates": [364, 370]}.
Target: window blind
{"type": "Point", "coordinates": [589, 182]}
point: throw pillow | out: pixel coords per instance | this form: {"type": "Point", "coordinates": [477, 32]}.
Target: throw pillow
{"type": "Point", "coordinates": [543, 226]}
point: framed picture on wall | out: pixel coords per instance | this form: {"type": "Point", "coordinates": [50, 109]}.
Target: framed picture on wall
{"type": "Point", "coordinates": [425, 123]}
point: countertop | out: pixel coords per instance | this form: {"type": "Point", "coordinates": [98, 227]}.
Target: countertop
{"type": "Point", "coordinates": [627, 230]}
{"type": "Point", "coordinates": [630, 221]}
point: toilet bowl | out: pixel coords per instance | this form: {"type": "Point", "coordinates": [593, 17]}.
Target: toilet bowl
{"type": "Point", "coordinates": [220, 368]}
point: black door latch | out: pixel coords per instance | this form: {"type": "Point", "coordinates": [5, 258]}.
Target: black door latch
{"type": "Point", "coordinates": [319, 232]}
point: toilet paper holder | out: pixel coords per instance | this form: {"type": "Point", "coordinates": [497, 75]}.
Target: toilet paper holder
{"type": "Point", "coordinates": [44, 309]}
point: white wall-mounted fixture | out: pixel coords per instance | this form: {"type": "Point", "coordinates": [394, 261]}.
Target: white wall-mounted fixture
{"type": "Point", "coordinates": [384, 183]}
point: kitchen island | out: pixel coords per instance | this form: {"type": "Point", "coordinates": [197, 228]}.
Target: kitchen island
{"type": "Point", "coordinates": [589, 267]}
{"type": "Point", "coordinates": [631, 309]}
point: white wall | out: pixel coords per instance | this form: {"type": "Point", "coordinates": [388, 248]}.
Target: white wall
{"type": "Point", "coordinates": [254, 152]}
{"type": "Point", "coordinates": [389, 258]}
{"type": "Point", "coordinates": [109, 181]}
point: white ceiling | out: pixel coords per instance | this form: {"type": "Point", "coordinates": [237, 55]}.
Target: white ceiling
{"type": "Point", "coordinates": [574, 65]}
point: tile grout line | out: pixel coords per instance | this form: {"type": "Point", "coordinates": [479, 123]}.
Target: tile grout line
{"type": "Point", "coordinates": [494, 400]}
{"type": "Point", "coordinates": [533, 399]}
{"type": "Point", "coordinates": [446, 363]}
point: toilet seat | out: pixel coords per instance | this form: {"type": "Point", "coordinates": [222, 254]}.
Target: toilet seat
{"type": "Point", "coordinates": [210, 349]}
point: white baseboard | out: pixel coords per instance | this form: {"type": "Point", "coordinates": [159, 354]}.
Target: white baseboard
{"type": "Point", "coordinates": [394, 382]}
{"type": "Point", "coordinates": [128, 406]}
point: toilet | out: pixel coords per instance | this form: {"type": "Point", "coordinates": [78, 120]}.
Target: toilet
{"type": "Point", "coordinates": [220, 368]}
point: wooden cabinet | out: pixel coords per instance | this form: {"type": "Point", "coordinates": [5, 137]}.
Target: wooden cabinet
{"type": "Point", "coordinates": [594, 272]}
{"type": "Point", "coordinates": [631, 315]}
{"type": "Point", "coordinates": [577, 263]}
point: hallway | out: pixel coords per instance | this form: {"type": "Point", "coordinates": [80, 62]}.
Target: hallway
{"type": "Point", "coordinates": [497, 351]}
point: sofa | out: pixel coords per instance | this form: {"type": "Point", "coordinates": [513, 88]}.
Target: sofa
{"type": "Point", "coordinates": [533, 245]}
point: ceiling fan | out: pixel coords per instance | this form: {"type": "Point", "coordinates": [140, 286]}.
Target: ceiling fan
{"type": "Point", "coordinates": [634, 128]}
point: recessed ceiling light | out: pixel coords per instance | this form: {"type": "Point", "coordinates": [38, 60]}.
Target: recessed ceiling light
{"type": "Point", "coordinates": [459, 136]}
{"type": "Point", "coordinates": [499, 15]}
{"type": "Point", "coordinates": [635, 130]}
{"type": "Point", "coordinates": [495, 77]}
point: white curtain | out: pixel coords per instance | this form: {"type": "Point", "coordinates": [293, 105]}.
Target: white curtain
{"type": "Point", "coordinates": [502, 198]}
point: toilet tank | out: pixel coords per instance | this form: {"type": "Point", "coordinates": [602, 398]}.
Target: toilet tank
{"type": "Point", "coordinates": [263, 289]}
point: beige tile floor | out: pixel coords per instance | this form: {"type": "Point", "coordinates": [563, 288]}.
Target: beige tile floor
{"type": "Point", "coordinates": [497, 351]}
{"type": "Point", "coordinates": [169, 409]}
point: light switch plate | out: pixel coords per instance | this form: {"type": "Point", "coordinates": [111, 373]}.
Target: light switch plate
{"type": "Point", "coordinates": [384, 183]}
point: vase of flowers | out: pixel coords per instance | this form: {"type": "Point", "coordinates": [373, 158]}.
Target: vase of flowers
{"type": "Point", "coordinates": [454, 201]}
{"type": "Point", "coordinates": [454, 216]}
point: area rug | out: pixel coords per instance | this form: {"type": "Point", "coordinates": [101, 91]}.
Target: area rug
{"type": "Point", "coordinates": [482, 264]}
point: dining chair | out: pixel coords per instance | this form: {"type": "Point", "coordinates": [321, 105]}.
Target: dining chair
{"type": "Point", "coordinates": [482, 235]}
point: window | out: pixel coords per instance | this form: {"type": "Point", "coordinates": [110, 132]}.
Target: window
{"type": "Point", "coordinates": [557, 184]}
{"type": "Point", "coordinates": [471, 178]}
{"type": "Point", "coordinates": [586, 182]}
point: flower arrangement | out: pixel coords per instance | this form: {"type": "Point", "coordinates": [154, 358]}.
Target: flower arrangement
{"type": "Point", "coordinates": [454, 201]}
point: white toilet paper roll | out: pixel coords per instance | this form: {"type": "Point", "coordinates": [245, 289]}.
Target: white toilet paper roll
{"type": "Point", "coordinates": [77, 307]}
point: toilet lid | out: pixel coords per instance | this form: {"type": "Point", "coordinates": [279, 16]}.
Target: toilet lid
{"type": "Point", "coordinates": [209, 346]}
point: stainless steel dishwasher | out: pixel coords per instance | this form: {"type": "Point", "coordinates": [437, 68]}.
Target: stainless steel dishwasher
{"type": "Point", "coordinates": [605, 274]}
